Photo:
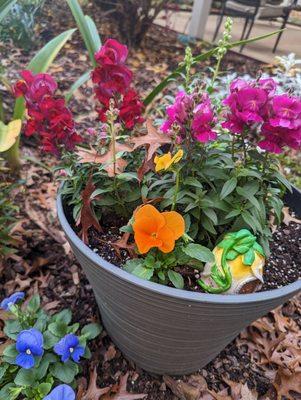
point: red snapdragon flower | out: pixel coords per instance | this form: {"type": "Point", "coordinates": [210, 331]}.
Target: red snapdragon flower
{"type": "Point", "coordinates": [48, 115]}
{"type": "Point", "coordinates": [112, 79]}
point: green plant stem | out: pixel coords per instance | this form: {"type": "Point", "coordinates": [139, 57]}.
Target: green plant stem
{"type": "Point", "coordinates": [244, 147]}
{"type": "Point", "coordinates": [1, 110]}
{"type": "Point", "coordinates": [175, 197]}
{"type": "Point", "coordinates": [12, 156]}
{"type": "Point", "coordinates": [233, 148]}
{"type": "Point", "coordinates": [216, 71]}
{"type": "Point", "coordinates": [265, 162]}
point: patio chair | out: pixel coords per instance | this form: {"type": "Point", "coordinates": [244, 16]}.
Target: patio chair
{"type": "Point", "coordinates": [252, 10]}
{"type": "Point", "coordinates": [274, 9]}
{"type": "Point", "coordinates": [246, 9]}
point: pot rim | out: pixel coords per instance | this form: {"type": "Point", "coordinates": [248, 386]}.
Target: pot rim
{"type": "Point", "coordinates": [166, 290]}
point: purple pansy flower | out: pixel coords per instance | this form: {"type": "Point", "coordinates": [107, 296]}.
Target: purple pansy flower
{"type": "Point", "coordinates": [29, 345]}
{"type": "Point", "coordinates": [61, 392]}
{"type": "Point", "coordinates": [14, 298]}
{"type": "Point", "coordinates": [69, 347]}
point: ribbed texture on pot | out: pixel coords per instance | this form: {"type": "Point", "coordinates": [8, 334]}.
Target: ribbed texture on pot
{"type": "Point", "coordinates": [166, 330]}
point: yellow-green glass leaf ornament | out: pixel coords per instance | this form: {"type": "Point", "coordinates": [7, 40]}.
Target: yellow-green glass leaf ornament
{"type": "Point", "coordinates": [238, 267]}
{"type": "Point", "coordinates": [9, 134]}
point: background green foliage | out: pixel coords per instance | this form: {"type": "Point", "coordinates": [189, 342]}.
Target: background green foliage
{"type": "Point", "coordinates": [19, 23]}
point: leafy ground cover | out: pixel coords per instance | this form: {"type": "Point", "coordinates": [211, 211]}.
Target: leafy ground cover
{"type": "Point", "coordinates": [263, 362]}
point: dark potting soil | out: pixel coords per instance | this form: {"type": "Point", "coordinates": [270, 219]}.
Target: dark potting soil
{"type": "Point", "coordinates": [282, 268]}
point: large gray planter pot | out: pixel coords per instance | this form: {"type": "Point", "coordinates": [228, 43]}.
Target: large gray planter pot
{"type": "Point", "coordinates": [162, 329]}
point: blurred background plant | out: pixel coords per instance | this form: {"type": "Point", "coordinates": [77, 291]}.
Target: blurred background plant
{"type": "Point", "coordinates": [8, 212]}
{"type": "Point", "coordinates": [19, 24]}
{"type": "Point", "coordinates": [133, 17]}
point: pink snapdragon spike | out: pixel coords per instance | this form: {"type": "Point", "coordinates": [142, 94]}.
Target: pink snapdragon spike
{"type": "Point", "coordinates": [203, 119]}
{"type": "Point", "coordinates": [48, 115]}
{"type": "Point", "coordinates": [247, 103]}
{"type": "Point", "coordinates": [112, 80]}
{"type": "Point", "coordinates": [254, 105]}
{"type": "Point", "coordinates": [190, 112]}
{"type": "Point", "coordinates": [286, 112]}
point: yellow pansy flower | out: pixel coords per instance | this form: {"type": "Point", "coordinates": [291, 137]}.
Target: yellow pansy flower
{"type": "Point", "coordinates": [166, 160]}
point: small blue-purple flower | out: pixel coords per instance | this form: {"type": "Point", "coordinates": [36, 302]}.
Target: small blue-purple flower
{"type": "Point", "coordinates": [61, 392]}
{"type": "Point", "coordinates": [69, 347]}
{"type": "Point", "coordinates": [14, 298]}
{"type": "Point", "coordinates": [29, 345]}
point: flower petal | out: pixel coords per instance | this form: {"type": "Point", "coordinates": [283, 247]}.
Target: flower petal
{"type": "Point", "coordinates": [25, 361]}
{"type": "Point", "coordinates": [61, 392]}
{"type": "Point", "coordinates": [77, 353]}
{"type": "Point", "coordinates": [167, 237]}
{"type": "Point", "coordinates": [175, 222]}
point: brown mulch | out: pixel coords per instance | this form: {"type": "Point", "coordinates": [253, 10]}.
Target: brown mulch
{"type": "Point", "coordinates": [263, 362]}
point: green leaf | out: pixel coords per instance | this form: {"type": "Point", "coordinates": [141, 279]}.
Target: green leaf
{"type": "Point", "coordinates": [58, 329]}
{"type": "Point", "coordinates": [5, 392]}
{"type": "Point", "coordinates": [143, 272]}
{"type": "Point", "coordinates": [91, 331]}
{"type": "Point", "coordinates": [211, 214]}
{"type": "Point", "coordinates": [283, 180]}
{"type": "Point", "coordinates": [199, 252]}
{"type": "Point", "coordinates": [34, 304]}
{"type": "Point", "coordinates": [10, 351]}
{"type": "Point", "coordinates": [44, 388]}
{"type": "Point", "coordinates": [228, 187]}
{"type": "Point", "coordinates": [5, 7]}
{"type": "Point", "coordinates": [249, 257]}
{"type": "Point", "coordinates": [176, 279]}
{"type": "Point", "coordinates": [77, 84]}
{"type": "Point", "coordinates": [87, 29]}
{"type": "Point", "coordinates": [25, 377]}
{"type": "Point", "coordinates": [42, 368]}
{"type": "Point", "coordinates": [233, 214]}
{"type": "Point", "coordinates": [3, 369]}
{"type": "Point", "coordinates": [64, 372]}
{"type": "Point", "coordinates": [63, 316]}
{"type": "Point", "coordinates": [93, 33]}
{"type": "Point", "coordinates": [12, 328]}
{"type": "Point", "coordinates": [49, 340]}
{"type": "Point", "coordinates": [130, 265]}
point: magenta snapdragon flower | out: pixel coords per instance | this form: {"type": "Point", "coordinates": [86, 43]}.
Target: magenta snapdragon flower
{"type": "Point", "coordinates": [247, 103]}
{"type": "Point", "coordinates": [283, 124]}
{"type": "Point", "coordinates": [286, 112]}
{"type": "Point", "coordinates": [190, 112]}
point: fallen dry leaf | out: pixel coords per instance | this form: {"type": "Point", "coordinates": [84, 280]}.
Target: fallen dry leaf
{"type": "Point", "coordinates": [110, 353]}
{"type": "Point", "coordinates": [122, 243]}
{"type": "Point", "coordinates": [287, 217]}
{"type": "Point", "coordinates": [87, 219]}
{"type": "Point", "coordinates": [91, 156]}
{"type": "Point", "coordinates": [287, 385]}
{"type": "Point", "coordinates": [151, 141]}
{"type": "Point", "coordinates": [122, 393]}
{"type": "Point", "coordinates": [93, 392]}
{"type": "Point", "coordinates": [39, 218]}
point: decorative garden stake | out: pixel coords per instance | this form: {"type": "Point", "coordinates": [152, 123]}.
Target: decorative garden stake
{"type": "Point", "coordinates": [239, 260]}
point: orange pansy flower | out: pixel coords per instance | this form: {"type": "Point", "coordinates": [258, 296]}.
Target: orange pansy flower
{"type": "Point", "coordinates": [155, 229]}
